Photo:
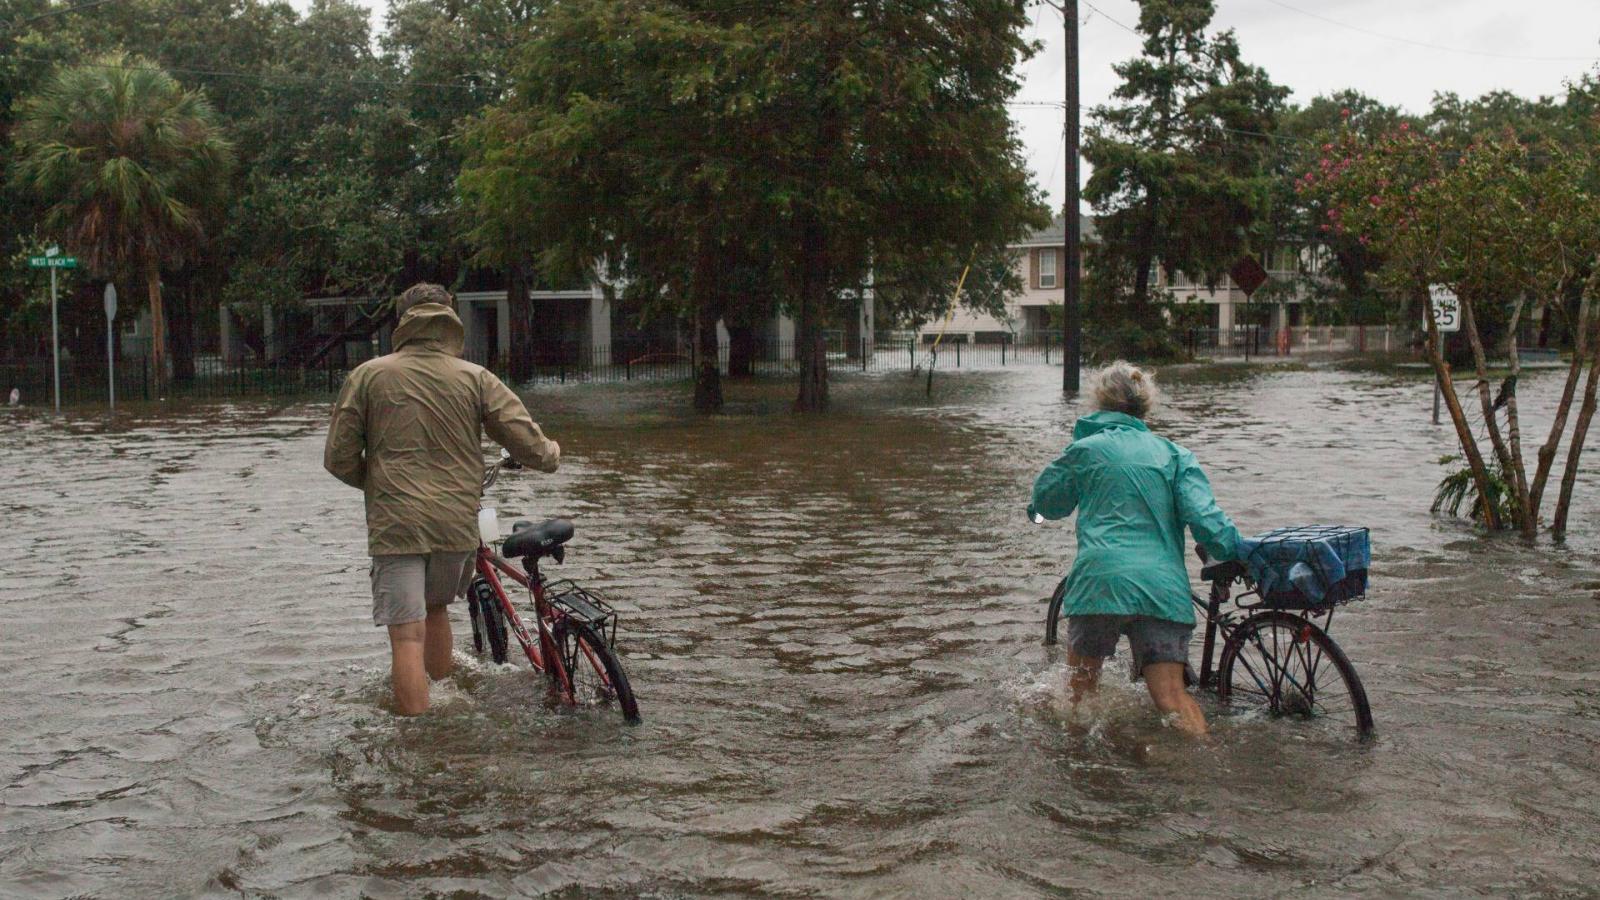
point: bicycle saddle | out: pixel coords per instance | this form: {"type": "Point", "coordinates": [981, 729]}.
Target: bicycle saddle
{"type": "Point", "coordinates": [543, 539]}
{"type": "Point", "coordinates": [1223, 571]}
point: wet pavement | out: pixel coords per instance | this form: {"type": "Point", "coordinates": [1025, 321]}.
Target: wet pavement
{"type": "Point", "coordinates": [833, 625]}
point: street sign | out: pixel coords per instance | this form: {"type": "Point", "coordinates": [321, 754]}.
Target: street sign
{"type": "Point", "coordinates": [111, 300]}
{"type": "Point", "coordinates": [1248, 275]}
{"type": "Point", "coordinates": [1446, 309]}
{"type": "Point", "coordinates": [52, 262]}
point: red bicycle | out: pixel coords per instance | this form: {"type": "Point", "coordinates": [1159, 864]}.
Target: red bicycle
{"type": "Point", "coordinates": [577, 630]}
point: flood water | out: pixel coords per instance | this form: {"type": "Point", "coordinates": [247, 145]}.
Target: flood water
{"type": "Point", "coordinates": [833, 625]}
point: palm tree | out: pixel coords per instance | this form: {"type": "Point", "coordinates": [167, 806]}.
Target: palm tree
{"type": "Point", "coordinates": [130, 163]}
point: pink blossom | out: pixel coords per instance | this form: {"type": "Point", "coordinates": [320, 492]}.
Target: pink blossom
{"type": "Point", "coordinates": [1344, 113]}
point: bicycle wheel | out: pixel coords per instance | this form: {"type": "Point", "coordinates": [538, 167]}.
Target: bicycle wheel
{"type": "Point", "coordinates": [596, 672]}
{"type": "Point", "coordinates": [488, 621]}
{"type": "Point", "coordinates": [1052, 616]}
{"type": "Point", "coordinates": [1286, 664]}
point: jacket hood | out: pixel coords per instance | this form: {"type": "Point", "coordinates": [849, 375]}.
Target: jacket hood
{"type": "Point", "coordinates": [1096, 422]}
{"type": "Point", "coordinates": [431, 323]}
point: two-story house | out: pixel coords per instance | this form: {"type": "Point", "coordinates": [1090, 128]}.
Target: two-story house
{"type": "Point", "coordinates": [1040, 266]}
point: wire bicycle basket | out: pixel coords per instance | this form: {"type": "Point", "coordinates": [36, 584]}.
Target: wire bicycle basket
{"type": "Point", "coordinates": [1308, 567]}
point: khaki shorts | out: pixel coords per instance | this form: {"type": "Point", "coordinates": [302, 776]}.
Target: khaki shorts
{"type": "Point", "coordinates": [406, 585]}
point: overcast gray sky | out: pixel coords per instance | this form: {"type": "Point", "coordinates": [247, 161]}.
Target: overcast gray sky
{"type": "Point", "coordinates": [1314, 47]}
{"type": "Point", "coordinates": [1313, 56]}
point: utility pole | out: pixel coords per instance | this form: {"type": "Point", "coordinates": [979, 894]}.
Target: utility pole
{"type": "Point", "coordinates": [1073, 339]}
{"type": "Point", "coordinates": [1072, 284]}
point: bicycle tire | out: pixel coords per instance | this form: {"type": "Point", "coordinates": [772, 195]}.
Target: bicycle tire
{"type": "Point", "coordinates": [488, 623]}
{"type": "Point", "coordinates": [1288, 666]}
{"type": "Point", "coordinates": [1052, 620]}
{"type": "Point", "coordinates": [572, 638]}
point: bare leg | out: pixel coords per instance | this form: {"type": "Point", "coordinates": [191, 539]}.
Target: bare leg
{"type": "Point", "coordinates": [1165, 681]}
{"type": "Point", "coordinates": [408, 675]}
{"type": "Point", "coordinates": [439, 644]}
{"type": "Point", "coordinates": [1085, 675]}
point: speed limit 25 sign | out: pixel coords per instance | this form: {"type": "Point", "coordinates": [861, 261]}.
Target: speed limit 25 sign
{"type": "Point", "coordinates": [1446, 310]}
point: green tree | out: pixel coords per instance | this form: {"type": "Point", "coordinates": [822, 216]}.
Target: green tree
{"type": "Point", "coordinates": [690, 145]}
{"type": "Point", "coordinates": [1511, 229]}
{"type": "Point", "coordinates": [1181, 172]}
{"type": "Point", "coordinates": [132, 166]}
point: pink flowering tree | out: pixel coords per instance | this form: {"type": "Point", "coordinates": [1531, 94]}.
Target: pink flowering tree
{"type": "Point", "coordinates": [1511, 231]}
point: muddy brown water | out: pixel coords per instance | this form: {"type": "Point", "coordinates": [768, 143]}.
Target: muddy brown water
{"type": "Point", "coordinates": [834, 628]}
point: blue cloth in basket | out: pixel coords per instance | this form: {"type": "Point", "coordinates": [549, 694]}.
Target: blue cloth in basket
{"type": "Point", "coordinates": [1319, 563]}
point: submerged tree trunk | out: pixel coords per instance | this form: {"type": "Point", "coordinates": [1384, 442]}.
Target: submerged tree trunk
{"type": "Point", "coordinates": [705, 293]}
{"type": "Point", "coordinates": [158, 325]}
{"type": "Point", "coordinates": [1580, 431]}
{"type": "Point", "coordinates": [1580, 350]}
{"type": "Point", "coordinates": [1458, 417]}
{"type": "Point", "coordinates": [810, 350]}
{"type": "Point", "coordinates": [707, 375]}
{"type": "Point", "coordinates": [1510, 464]}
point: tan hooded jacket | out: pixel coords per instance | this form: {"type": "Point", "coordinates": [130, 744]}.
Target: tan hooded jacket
{"type": "Point", "coordinates": [407, 429]}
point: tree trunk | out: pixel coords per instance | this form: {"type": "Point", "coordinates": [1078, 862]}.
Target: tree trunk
{"type": "Point", "coordinates": [1507, 459]}
{"type": "Point", "coordinates": [1580, 349]}
{"type": "Point", "coordinates": [158, 326]}
{"type": "Point", "coordinates": [520, 309]}
{"type": "Point", "coordinates": [741, 351]}
{"type": "Point", "coordinates": [181, 337]}
{"type": "Point", "coordinates": [707, 376]}
{"type": "Point", "coordinates": [810, 350]}
{"type": "Point", "coordinates": [705, 293]}
{"type": "Point", "coordinates": [1580, 431]}
{"type": "Point", "coordinates": [1458, 417]}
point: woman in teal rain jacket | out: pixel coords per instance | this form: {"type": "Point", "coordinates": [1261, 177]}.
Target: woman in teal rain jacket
{"type": "Point", "coordinates": [1134, 493]}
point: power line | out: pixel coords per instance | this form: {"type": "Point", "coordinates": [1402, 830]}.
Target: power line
{"type": "Point", "coordinates": [61, 11]}
{"type": "Point", "coordinates": [1131, 30]}
{"type": "Point", "coordinates": [1416, 43]}
{"type": "Point", "coordinates": [263, 77]}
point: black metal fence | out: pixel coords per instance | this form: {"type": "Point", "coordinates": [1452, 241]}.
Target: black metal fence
{"type": "Point", "coordinates": [85, 380]}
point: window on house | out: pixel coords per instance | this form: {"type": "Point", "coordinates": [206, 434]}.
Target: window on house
{"type": "Point", "coordinates": [1285, 259]}
{"type": "Point", "coordinates": [1047, 267]}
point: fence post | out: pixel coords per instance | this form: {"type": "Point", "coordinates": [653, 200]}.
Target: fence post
{"type": "Point", "coordinates": [863, 353]}
{"type": "Point", "coordinates": [958, 354]}
{"type": "Point", "coordinates": [911, 345]}
{"type": "Point", "coordinates": [627, 366]}
{"type": "Point", "coordinates": [1002, 351]}
{"type": "Point", "coordinates": [1047, 349]}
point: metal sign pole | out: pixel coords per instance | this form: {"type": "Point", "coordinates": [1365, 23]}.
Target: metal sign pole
{"type": "Point", "coordinates": [55, 337]}
{"type": "Point", "coordinates": [111, 356]}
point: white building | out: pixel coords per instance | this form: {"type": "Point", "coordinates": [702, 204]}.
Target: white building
{"type": "Point", "coordinates": [1039, 262]}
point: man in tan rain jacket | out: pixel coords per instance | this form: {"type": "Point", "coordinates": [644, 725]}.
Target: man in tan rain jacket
{"type": "Point", "coordinates": [407, 431]}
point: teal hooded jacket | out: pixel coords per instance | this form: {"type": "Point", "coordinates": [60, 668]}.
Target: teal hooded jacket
{"type": "Point", "coordinates": [1134, 493]}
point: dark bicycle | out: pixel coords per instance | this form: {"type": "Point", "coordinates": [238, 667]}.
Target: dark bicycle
{"type": "Point", "coordinates": [1276, 654]}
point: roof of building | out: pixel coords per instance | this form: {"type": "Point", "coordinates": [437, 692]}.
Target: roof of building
{"type": "Point", "coordinates": [1055, 234]}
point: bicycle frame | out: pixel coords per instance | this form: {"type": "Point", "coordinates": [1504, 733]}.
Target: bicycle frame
{"type": "Point", "coordinates": [541, 655]}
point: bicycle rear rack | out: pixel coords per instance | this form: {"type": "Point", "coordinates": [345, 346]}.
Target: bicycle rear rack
{"type": "Point", "coordinates": [584, 606]}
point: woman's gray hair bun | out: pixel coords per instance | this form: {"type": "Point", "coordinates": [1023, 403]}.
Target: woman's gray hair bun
{"type": "Point", "coordinates": [1124, 388]}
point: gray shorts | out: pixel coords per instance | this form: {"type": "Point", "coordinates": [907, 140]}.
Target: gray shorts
{"type": "Point", "coordinates": [406, 585]}
{"type": "Point", "coordinates": [1152, 640]}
